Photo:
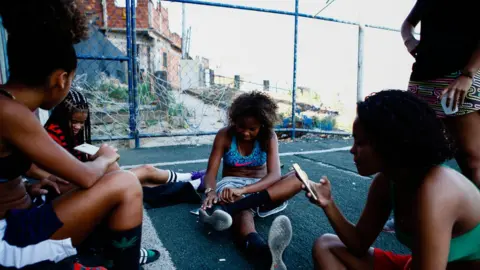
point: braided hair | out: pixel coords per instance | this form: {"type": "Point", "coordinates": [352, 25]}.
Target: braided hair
{"type": "Point", "coordinates": [405, 130]}
{"type": "Point", "coordinates": [62, 114]}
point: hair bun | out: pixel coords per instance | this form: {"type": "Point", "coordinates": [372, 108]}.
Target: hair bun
{"type": "Point", "coordinates": [46, 19]}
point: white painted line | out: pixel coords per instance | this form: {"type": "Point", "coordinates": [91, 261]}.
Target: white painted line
{"type": "Point", "coordinates": [150, 240]}
{"type": "Point", "coordinates": [193, 161]}
{"type": "Point", "coordinates": [342, 170]}
{"type": "Point", "coordinates": [164, 164]}
{"type": "Point", "coordinates": [346, 148]}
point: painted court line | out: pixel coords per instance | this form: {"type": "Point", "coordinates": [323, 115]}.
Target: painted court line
{"type": "Point", "coordinates": [342, 170]}
{"type": "Point", "coordinates": [286, 154]}
{"type": "Point", "coordinates": [150, 240]}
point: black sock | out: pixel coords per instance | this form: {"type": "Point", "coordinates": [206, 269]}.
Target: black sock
{"type": "Point", "coordinates": [256, 247]}
{"type": "Point", "coordinates": [253, 200]}
{"type": "Point", "coordinates": [123, 250]}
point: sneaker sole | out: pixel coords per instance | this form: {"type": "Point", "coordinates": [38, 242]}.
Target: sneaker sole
{"type": "Point", "coordinates": [279, 238]}
{"type": "Point", "coordinates": [219, 220]}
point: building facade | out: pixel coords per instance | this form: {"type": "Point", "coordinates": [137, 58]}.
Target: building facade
{"type": "Point", "coordinates": [159, 50]}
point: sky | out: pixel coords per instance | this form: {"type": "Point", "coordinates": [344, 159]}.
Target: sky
{"type": "Point", "coordinates": [259, 46]}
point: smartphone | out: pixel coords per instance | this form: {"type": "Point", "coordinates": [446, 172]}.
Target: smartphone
{"type": "Point", "coordinates": [302, 176]}
{"type": "Point", "coordinates": [448, 109]}
{"type": "Point", "coordinates": [87, 149]}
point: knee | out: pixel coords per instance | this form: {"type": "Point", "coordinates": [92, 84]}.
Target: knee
{"type": "Point", "coordinates": [293, 180]}
{"type": "Point", "coordinates": [323, 244]}
{"type": "Point", "coordinates": [148, 168]}
{"type": "Point", "coordinates": [113, 168]}
{"type": "Point", "coordinates": [144, 171]}
{"type": "Point", "coordinates": [125, 185]}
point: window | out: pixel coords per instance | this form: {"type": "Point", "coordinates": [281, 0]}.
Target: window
{"type": "Point", "coordinates": [165, 60]}
{"type": "Point", "coordinates": [123, 4]}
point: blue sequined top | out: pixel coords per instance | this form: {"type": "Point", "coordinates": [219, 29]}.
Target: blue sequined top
{"type": "Point", "coordinates": [233, 158]}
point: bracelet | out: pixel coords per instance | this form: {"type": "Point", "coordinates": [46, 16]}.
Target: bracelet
{"type": "Point", "coordinates": [208, 190]}
{"type": "Point", "coordinates": [466, 73]}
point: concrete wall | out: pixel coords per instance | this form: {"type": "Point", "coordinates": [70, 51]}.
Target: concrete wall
{"type": "Point", "coordinates": [192, 74]}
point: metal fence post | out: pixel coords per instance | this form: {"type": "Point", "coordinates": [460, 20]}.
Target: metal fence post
{"type": "Point", "coordinates": [361, 39]}
{"type": "Point", "coordinates": [294, 90]}
{"type": "Point", "coordinates": [134, 71]}
{"type": "Point", "coordinates": [3, 41]}
{"type": "Point", "coordinates": [131, 102]}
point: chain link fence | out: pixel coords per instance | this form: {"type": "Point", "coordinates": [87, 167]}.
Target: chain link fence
{"type": "Point", "coordinates": [164, 72]}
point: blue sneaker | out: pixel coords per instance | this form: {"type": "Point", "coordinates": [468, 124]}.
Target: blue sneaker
{"type": "Point", "coordinates": [198, 174]}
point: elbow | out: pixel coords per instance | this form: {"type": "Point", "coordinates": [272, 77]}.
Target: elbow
{"type": "Point", "coordinates": [407, 27]}
{"type": "Point", "coordinates": [359, 250]}
{"type": "Point", "coordinates": [88, 179]}
{"type": "Point", "coordinates": [359, 247]}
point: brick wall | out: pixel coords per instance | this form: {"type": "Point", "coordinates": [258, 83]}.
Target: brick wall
{"type": "Point", "coordinates": [151, 59]}
{"type": "Point", "coordinates": [116, 15]}
{"type": "Point", "coordinates": [93, 9]}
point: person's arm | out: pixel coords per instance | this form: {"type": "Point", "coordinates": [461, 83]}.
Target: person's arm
{"type": "Point", "coordinates": [212, 169]}
{"type": "Point", "coordinates": [273, 168]}
{"type": "Point", "coordinates": [408, 28]}
{"type": "Point", "coordinates": [36, 173]}
{"type": "Point", "coordinates": [436, 214]}
{"type": "Point", "coordinates": [357, 238]}
{"type": "Point", "coordinates": [473, 65]}
{"type": "Point", "coordinates": [21, 129]}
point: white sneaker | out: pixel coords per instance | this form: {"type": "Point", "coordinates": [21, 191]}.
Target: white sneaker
{"type": "Point", "coordinates": [219, 220]}
{"type": "Point", "coordinates": [279, 238]}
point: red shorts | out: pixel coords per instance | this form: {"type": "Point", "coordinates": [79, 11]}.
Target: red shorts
{"type": "Point", "coordinates": [386, 260]}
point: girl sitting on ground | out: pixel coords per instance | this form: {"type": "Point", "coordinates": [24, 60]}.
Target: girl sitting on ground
{"type": "Point", "coordinates": [69, 125]}
{"type": "Point", "coordinates": [40, 77]}
{"type": "Point", "coordinates": [251, 165]}
{"type": "Point", "coordinates": [398, 138]}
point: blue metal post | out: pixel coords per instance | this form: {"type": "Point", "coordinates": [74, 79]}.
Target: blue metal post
{"type": "Point", "coordinates": [132, 122]}
{"type": "Point", "coordinates": [294, 87]}
{"type": "Point", "coordinates": [134, 72]}
{"type": "Point", "coordinates": [3, 40]}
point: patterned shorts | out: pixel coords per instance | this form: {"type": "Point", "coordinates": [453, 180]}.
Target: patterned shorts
{"type": "Point", "coordinates": [431, 90]}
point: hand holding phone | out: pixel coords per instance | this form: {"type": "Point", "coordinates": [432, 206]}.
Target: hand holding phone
{"type": "Point", "coordinates": [451, 109]}
{"type": "Point", "coordinates": [302, 176]}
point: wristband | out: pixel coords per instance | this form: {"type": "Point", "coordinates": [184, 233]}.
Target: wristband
{"type": "Point", "coordinates": [466, 73]}
{"type": "Point", "coordinates": [208, 190]}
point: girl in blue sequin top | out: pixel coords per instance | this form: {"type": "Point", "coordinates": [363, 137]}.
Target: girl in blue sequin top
{"type": "Point", "coordinates": [252, 184]}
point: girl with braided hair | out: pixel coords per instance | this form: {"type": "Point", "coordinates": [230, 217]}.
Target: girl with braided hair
{"type": "Point", "coordinates": [69, 123]}
{"type": "Point", "coordinates": [69, 126]}
{"type": "Point", "coordinates": [41, 74]}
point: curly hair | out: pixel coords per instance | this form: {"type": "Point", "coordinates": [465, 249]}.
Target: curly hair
{"type": "Point", "coordinates": [62, 114]}
{"type": "Point", "coordinates": [405, 130]}
{"type": "Point", "coordinates": [259, 106]}
{"type": "Point", "coordinates": [41, 35]}
{"type": "Point", "coordinates": [60, 18]}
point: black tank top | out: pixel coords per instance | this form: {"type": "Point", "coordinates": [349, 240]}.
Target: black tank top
{"type": "Point", "coordinates": [16, 164]}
